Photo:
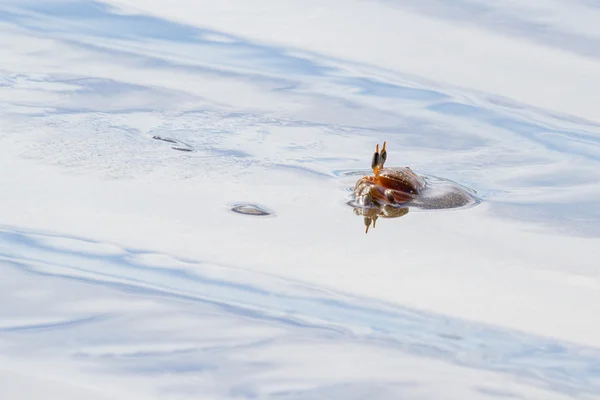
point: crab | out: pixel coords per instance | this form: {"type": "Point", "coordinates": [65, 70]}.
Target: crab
{"type": "Point", "coordinates": [384, 192]}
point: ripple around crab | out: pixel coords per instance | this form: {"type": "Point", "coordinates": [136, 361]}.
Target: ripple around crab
{"type": "Point", "coordinates": [389, 192]}
{"type": "Point", "coordinates": [402, 187]}
{"type": "Point", "coordinates": [438, 194]}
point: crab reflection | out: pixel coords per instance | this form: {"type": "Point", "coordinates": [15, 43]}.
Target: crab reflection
{"type": "Point", "coordinates": [371, 214]}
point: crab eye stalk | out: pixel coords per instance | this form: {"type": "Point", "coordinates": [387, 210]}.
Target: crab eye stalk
{"type": "Point", "coordinates": [375, 160]}
{"type": "Point", "coordinates": [382, 155]}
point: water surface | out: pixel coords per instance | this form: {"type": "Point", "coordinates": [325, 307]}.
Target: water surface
{"type": "Point", "coordinates": [127, 138]}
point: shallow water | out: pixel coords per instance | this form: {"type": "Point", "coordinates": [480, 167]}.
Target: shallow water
{"type": "Point", "coordinates": [129, 138]}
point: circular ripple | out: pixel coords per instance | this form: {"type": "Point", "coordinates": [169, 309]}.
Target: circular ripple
{"type": "Point", "coordinates": [441, 194]}
{"type": "Point", "coordinates": [250, 209]}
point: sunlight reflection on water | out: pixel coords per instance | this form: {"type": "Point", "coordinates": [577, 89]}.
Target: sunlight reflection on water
{"type": "Point", "coordinates": [125, 97]}
{"type": "Point", "coordinates": [109, 338]}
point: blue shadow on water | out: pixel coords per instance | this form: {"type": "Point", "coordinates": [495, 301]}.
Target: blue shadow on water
{"type": "Point", "coordinates": [528, 24]}
{"type": "Point", "coordinates": [585, 144]}
{"type": "Point", "coordinates": [51, 325]}
{"type": "Point", "coordinates": [68, 20]}
{"type": "Point", "coordinates": [102, 21]}
{"type": "Point", "coordinates": [377, 88]}
{"type": "Point", "coordinates": [544, 362]}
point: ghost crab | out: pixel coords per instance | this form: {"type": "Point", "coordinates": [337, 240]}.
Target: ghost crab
{"type": "Point", "coordinates": [382, 194]}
